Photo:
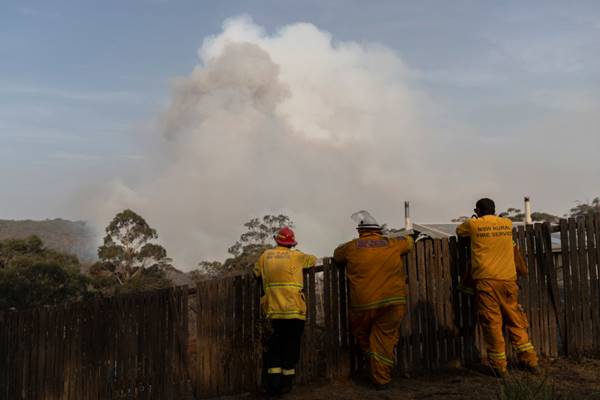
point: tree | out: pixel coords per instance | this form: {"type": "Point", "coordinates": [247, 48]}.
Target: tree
{"type": "Point", "coordinates": [31, 275]}
{"type": "Point", "coordinates": [129, 248]}
{"type": "Point", "coordinates": [41, 283]}
{"type": "Point", "coordinates": [584, 209]}
{"type": "Point", "coordinates": [15, 252]}
{"type": "Point", "coordinates": [152, 278]}
{"type": "Point", "coordinates": [259, 233]}
{"type": "Point", "coordinates": [514, 214]}
{"type": "Point", "coordinates": [255, 241]}
{"type": "Point", "coordinates": [207, 269]}
{"type": "Point", "coordinates": [245, 251]}
{"type": "Point", "coordinates": [544, 217]}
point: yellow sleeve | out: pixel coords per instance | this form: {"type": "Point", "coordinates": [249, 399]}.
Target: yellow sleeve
{"type": "Point", "coordinates": [464, 229]}
{"type": "Point", "coordinates": [258, 266]}
{"type": "Point", "coordinates": [404, 244]}
{"type": "Point", "coordinates": [309, 261]}
{"type": "Point", "coordinates": [340, 254]}
{"type": "Point", "coordinates": [520, 263]}
{"type": "Point", "coordinates": [409, 244]}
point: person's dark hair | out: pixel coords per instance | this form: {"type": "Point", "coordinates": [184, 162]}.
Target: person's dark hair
{"type": "Point", "coordinates": [485, 207]}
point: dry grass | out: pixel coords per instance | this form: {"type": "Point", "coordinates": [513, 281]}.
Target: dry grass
{"type": "Point", "coordinates": [525, 388]}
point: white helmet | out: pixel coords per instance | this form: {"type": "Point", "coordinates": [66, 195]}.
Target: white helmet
{"type": "Point", "coordinates": [365, 220]}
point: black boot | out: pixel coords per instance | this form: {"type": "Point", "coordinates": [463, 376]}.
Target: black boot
{"type": "Point", "coordinates": [273, 386]}
{"type": "Point", "coordinates": [287, 382]}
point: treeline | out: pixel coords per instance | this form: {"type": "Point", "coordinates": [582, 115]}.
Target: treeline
{"type": "Point", "coordinates": [32, 275]}
{"type": "Point", "coordinates": [580, 209]}
{"type": "Point", "coordinates": [130, 260]}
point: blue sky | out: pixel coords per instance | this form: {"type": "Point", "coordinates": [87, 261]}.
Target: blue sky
{"type": "Point", "coordinates": [77, 76]}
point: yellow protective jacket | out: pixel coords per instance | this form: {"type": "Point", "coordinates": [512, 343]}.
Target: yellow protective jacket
{"type": "Point", "coordinates": [492, 247]}
{"type": "Point", "coordinates": [375, 270]}
{"type": "Point", "coordinates": [281, 272]}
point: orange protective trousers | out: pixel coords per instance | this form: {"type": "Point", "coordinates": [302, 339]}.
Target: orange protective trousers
{"type": "Point", "coordinates": [377, 332]}
{"type": "Point", "coordinates": [497, 304]}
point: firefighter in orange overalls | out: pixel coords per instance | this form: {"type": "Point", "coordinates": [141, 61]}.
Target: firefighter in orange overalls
{"type": "Point", "coordinates": [280, 271]}
{"type": "Point", "coordinates": [377, 284]}
{"type": "Point", "coordinates": [494, 277]}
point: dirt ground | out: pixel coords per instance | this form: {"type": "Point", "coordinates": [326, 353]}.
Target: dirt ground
{"type": "Point", "coordinates": [573, 380]}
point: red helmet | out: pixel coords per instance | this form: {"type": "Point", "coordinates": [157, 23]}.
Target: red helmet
{"type": "Point", "coordinates": [285, 237]}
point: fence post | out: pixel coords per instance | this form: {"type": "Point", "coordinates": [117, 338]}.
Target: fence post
{"type": "Point", "coordinates": [594, 243]}
{"type": "Point", "coordinates": [344, 328]}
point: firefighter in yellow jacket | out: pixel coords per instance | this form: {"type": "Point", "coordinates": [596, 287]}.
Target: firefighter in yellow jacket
{"type": "Point", "coordinates": [280, 270]}
{"type": "Point", "coordinates": [494, 276]}
{"type": "Point", "coordinates": [377, 285]}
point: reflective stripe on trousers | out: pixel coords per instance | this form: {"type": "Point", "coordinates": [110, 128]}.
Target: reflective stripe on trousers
{"type": "Point", "coordinates": [377, 332]}
{"type": "Point", "coordinates": [497, 305]}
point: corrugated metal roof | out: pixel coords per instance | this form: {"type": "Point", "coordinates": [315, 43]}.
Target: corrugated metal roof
{"type": "Point", "coordinates": [434, 231]}
{"type": "Point", "coordinates": [439, 231]}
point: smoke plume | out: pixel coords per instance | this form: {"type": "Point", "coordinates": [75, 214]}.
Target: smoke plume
{"type": "Point", "coordinates": [295, 123]}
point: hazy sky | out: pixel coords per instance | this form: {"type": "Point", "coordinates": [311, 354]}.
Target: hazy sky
{"type": "Point", "coordinates": [519, 79]}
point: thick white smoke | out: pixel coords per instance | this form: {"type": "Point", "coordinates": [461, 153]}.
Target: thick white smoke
{"type": "Point", "coordinates": [288, 123]}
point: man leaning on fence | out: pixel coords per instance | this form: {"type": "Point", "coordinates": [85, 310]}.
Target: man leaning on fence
{"type": "Point", "coordinates": [377, 283]}
{"type": "Point", "coordinates": [283, 306]}
{"type": "Point", "coordinates": [493, 278]}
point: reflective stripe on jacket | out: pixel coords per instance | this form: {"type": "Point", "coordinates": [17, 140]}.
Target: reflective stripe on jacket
{"type": "Point", "coordinates": [281, 272]}
{"type": "Point", "coordinates": [375, 270]}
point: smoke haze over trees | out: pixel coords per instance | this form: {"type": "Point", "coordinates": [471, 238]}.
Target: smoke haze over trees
{"type": "Point", "coordinates": [289, 123]}
{"type": "Point", "coordinates": [74, 237]}
{"type": "Point", "coordinates": [298, 123]}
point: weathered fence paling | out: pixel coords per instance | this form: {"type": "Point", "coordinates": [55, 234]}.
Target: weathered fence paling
{"type": "Point", "coordinates": [130, 347]}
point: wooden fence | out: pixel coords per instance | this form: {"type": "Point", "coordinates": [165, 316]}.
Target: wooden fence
{"type": "Point", "coordinates": [580, 291]}
{"type": "Point", "coordinates": [129, 347]}
{"type": "Point", "coordinates": [134, 347]}
{"type": "Point", "coordinates": [230, 332]}
{"type": "Point", "coordinates": [440, 328]}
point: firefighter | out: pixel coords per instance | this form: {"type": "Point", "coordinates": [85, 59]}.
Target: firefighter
{"type": "Point", "coordinates": [377, 284]}
{"type": "Point", "coordinates": [494, 261]}
{"type": "Point", "coordinates": [283, 306]}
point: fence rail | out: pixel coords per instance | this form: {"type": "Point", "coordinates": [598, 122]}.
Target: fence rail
{"type": "Point", "coordinates": [134, 347]}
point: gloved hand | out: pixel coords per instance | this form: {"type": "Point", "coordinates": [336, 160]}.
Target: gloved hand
{"type": "Point", "coordinates": [421, 236]}
{"type": "Point", "coordinates": [410, 233]}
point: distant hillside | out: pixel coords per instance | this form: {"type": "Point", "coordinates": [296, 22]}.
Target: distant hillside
{"type": "Point", "coordinates": [73, 237]}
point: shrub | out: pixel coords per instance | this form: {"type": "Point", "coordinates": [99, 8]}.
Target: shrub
{"type": "Point", "coordinates": [37, 283]}
{"type": "Point", "coordinates": [516, 388]}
